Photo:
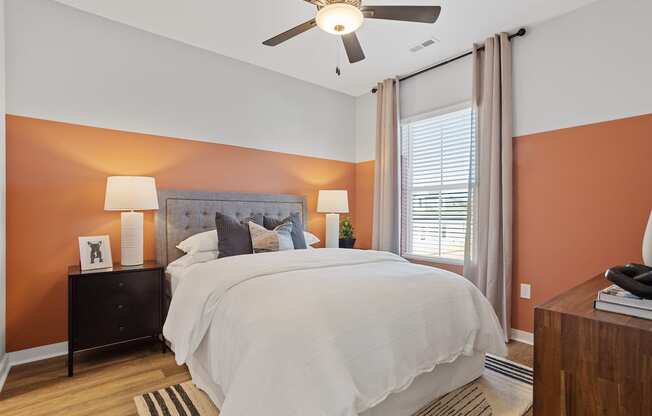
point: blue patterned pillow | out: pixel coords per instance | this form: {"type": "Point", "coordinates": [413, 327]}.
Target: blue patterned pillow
{"type": "Point", "coordinates": [298, 239]}
{"type": "Point", "coordinates": [278, 239]}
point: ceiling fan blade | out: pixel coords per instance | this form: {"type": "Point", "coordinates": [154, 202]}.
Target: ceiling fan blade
{"type": "Point", "coordinates": [353, 49]}
{"type": "Point", "coordinates": [421, 14]}
{"type": "Point", "coordinates": [278, 39]}
{"type": "Point", "coordinates": [318, 3]}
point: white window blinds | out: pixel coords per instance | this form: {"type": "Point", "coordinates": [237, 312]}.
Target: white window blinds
{"type": "Point", "coordinates": [435, 167]}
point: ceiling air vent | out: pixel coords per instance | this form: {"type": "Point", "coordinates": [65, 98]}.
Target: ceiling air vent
{"type": "Point", "coordinates": [424, 44]}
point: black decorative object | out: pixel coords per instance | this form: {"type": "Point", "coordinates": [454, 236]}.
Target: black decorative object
{"type": "Point", "coordinates": [634, 278]}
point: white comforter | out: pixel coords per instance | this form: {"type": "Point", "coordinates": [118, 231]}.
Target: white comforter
{"type": "Point", "coordinates": [325, 332]}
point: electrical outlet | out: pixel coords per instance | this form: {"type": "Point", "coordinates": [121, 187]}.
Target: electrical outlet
{"type": "Point", "coordinates": [525, 291]}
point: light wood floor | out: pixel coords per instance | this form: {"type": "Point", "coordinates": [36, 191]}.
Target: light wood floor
{"type": "Point", "coordinates": [105, 382]}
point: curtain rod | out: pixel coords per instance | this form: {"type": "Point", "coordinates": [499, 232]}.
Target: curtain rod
{"type": "Point", "coordinates": [521, 32]}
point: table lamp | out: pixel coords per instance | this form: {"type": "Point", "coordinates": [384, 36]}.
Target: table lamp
{"type": "Point", "coordinates": [129, 194]}
{"type": "Point", "coordinates": [333, 203]}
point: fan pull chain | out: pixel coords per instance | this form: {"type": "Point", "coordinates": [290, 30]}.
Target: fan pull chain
{"type": "Point", "coordinates": [337, 57]}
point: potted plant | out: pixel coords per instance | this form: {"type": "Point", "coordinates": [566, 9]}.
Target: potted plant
{"type": "Point", "coordinates": [347, 235]}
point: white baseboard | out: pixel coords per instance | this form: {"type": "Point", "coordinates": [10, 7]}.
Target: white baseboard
{"type": "Point", "coordinates": [4, 370]}
{"type": "Point", "coordinates": [522, 336]}
{"type": "Point", "coordinates": [37, 353]}
{"type": "Point", "coordinates": [29, 355]}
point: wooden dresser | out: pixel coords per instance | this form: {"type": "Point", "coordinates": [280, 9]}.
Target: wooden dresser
{"type": "Point", "coordinates": [589, 362]}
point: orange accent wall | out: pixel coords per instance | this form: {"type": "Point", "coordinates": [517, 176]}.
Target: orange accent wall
{"type": "Point", "coordinates": [364, 203]}
{"type": "Point", "coordinates": [582, 199]}
{"type": "Point", "coordinates": [56, 176]}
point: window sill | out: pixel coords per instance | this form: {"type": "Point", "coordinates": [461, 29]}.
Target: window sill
{"type": "Point", "coordinates": [438, 260]}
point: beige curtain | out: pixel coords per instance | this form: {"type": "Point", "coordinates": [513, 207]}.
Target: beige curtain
{"type": "Point", "coordinates": [386, 227]}
{"type": "Point", "coordinates": [488, 262]}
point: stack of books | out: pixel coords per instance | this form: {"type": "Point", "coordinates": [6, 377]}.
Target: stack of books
{"type": "Point", "coordinates": [615, 299]}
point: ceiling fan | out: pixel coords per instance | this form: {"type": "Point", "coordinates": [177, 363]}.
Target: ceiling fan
{"type": "Point", "coordinates": [344, 17]}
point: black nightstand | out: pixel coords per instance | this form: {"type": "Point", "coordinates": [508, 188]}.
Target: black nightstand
{"type": "Point", "coordinates": [111, 306]}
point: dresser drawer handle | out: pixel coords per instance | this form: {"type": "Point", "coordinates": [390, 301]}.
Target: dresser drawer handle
{"type": "Point", "coordinates": [122, 329]}
{"type": "Point", "coordinates": [121, 284]}
{"type": "Point", "coordinates": [120, 307]}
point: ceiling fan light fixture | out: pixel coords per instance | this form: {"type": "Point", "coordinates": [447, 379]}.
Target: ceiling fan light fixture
{"type": "Point", "coordinates": [339, 18]}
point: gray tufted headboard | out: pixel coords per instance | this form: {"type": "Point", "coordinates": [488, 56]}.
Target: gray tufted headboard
{"type": "Point", "coordinates": [184, 213]}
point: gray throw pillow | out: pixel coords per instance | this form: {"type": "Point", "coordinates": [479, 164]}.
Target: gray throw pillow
{"type": "Point", "coordinates": [298, 239]}
{"type": "Point", "coordinates": [233, 237]}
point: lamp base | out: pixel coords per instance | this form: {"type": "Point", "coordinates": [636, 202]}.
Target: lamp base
{"type": "Point", "coordinates": [332, 230]}
{"type": "Point", "coordinates": [131, 238]}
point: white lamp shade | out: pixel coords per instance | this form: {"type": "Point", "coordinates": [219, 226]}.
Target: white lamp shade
{"type": "Point", "coordinates": [127, 193]}
{"type": "Point", "coordinates": [333, 202]}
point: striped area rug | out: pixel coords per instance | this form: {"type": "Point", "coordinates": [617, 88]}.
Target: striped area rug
{"type": "Point", "coordinates": [505, 389]}
{"type": "Point", "coordinates": [178, 400]}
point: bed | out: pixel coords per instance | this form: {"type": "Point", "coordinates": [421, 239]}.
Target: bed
{"type": "Point", "coordinates": [323, 332]}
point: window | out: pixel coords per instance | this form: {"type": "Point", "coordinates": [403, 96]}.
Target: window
{"type": "Point", "coordinates": [435, 168]}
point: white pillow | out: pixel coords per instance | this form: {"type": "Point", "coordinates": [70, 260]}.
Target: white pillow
{"type": "Point", "coordinates": [206, 241]}
{"type": "Point", "coordinates": [310, 238]}
{"type": "Point", "coordinates": [190, 259]}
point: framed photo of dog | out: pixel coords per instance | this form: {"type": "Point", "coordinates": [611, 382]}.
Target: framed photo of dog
{"type": "Point", "coordinates": [95, 252]}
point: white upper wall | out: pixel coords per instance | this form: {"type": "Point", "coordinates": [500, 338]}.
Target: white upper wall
{"type": "Point", "coordinates": [436, 89]}
{"type": "Point", "coordinates": [67, 65]}
{"type": "Point", "coordinates": [365, 127]}
{"type": "Point", "coordinates": [588, 66]}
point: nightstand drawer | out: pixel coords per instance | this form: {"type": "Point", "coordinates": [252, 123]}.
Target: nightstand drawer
{"type": "Point", "coordinates": [101, 294]}
{"type": "Point", "coordinates": [109, 329]}
{"type": "Point", "coordinates": [107, 287]}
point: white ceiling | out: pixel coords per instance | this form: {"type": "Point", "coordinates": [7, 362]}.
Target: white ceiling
{"type": "Point", "coordinates": [236, 28]}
